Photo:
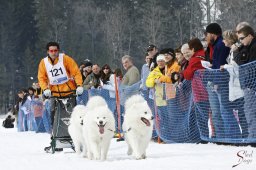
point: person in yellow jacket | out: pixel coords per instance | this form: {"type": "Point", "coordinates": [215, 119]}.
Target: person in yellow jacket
{"type": "Point", "coordinates": [154, 82]}
{"type": "Point", "coordinates": [167, 64]}
{"type": "Point", "coordinates": [58, 74]}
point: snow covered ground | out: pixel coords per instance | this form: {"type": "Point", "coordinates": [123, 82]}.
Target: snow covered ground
{"type": "Point", "coordinates": [24, 151]}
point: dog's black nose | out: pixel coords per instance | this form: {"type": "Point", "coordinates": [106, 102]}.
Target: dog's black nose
{"type": "Point", "coordinates": [152, 117]}
{"type": "Point", "coordinates": [101, 122]}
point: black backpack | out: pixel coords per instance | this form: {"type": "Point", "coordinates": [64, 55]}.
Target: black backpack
{"type": "Point", "coordinates": [8, 122]}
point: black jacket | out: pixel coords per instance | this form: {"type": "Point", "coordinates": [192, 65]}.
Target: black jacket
{"type": "Point", "coordinates": [247, 72]}
{"type": "Point", "coordinates": [246, 54]}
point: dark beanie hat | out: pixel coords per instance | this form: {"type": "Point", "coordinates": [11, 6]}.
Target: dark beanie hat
{"type": "Point", "coordinates": [214, 28]}
{"type": "Point", "coordinates": [88, 64]}
{"type": "Point", "coordinates": [168, 51]}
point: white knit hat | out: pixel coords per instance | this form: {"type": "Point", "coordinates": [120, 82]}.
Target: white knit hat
{"type": "Point", "coordinates": [160, 57]}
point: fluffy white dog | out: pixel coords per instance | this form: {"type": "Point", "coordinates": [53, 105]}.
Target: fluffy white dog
{"type": "Point", "coordinates": [98, 129]}
{"type": "Point", "coordinates": [138, 126]}
{"type": "Point", "coordinates": [75, 128]}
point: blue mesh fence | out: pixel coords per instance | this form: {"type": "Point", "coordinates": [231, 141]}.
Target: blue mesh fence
{"type": "Point", "coordinates": [229, 105]}
{"type": "Point", "coordinates": [176, 122]}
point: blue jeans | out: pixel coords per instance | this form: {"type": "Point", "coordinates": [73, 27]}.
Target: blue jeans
{"type": "Point", "coordinates": [145, 94]}
{"type": "Point", "coordinates": [216, 114]}
{"type": "Point", "coordinates": [231, 126]}
{"type": "Point", "coordinates": [202, 116]}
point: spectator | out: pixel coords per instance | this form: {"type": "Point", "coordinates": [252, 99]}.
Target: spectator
{"type": "Point", "coordinates": [37, 88]}
{"type": "Point", "coordinates": [224, 122]}
{"type": "Point", "coordinates": [144, 74]}
{"type": "Point", "coordinates": [87, 70]}
{"type": "Point", "coordinates": [24, 110]}
{"type": "Point", "coordinates": [154, 82]}
{"type": "Point", "coordinates": [197, 54]}
{"type": "Point", "coordinates": [181, 59]}
{"type": "Point", "coordinates": [247, 55]}
{"type": "Point", "coordinates": [31, 92]}
{"type": "Point", "coordinates": [132, 74]}
{"type": "Point", "coordinates": [172, 65]}
{"type": "Point", "coordinates": [220, 51]}
{"type": "Point", "coordinates": [153, 53]}
{"type": "Point", "coordinates": [105, 73]}
{"type": "Point", "coordinates": [236, 94]}
{"type": "Point", "coordinates": [93, 80]}
{"type": "Point", "coordinates": [248, 40]}
{"type": "Point", "coordinates": [238, 46]}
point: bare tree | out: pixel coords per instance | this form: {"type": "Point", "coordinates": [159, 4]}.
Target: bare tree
{"type": "Point", "coordinates": [88, 23]}
{"type": "Point", "coordinates": [235, 11]}
{"type": "Point", "coordinates": [210, 10]}
{"type": "Point", "coordinates": [116, 28]}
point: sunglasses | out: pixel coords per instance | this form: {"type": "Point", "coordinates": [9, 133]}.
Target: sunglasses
{"type": "Point", "coordinates": [106, 69]}
{"type": "Point", "coordinates": [242, 38]}
{"type": "Point", "coordinates": [51, 51]}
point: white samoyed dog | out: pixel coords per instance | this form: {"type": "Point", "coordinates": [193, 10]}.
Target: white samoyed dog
{"type": "Point", "coordinates": [98, 129]}
{"type": "Point", "coordinates": [138, 126]}
{"type": "Point", "coordinates": [75, 128]}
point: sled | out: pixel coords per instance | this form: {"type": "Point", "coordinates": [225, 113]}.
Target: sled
{"type": "Point", "coordinates": [60, 137]}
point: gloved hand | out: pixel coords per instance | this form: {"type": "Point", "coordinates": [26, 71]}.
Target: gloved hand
{"type": "Point", "coordinates": [47, 92]}
{"type": "Point", "coordinates": [79, 90]}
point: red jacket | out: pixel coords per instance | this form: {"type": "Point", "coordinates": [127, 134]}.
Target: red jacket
{"type": "Point", "coordinates": [199, 90]}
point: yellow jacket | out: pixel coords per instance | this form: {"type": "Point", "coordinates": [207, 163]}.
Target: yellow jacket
{"type": "Point", "coordinates": [150, 82]}
{"type": "Point", "coordinates": [175, 67]}
{"type": "Point", "coordinates": [73, 72]}
{"type": "Point", "coordinates": [154, 74]}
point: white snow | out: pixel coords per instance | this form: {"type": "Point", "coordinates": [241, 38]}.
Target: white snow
{"type": "Point", "coordinates": [24, 151]}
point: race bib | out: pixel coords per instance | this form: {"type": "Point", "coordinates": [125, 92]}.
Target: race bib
{"type": "Point", "coordinates": [57, 73]}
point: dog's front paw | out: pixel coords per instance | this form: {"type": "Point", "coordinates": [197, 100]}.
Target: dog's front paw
{"type": "Point", "coordinates": [84, 154]}
{"type": "Point", "coordinates": [78, 152]}
{"type": "Point", "coordinates": [138, 157]}
{"type": "Point", "coordinates": [129, 152]}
